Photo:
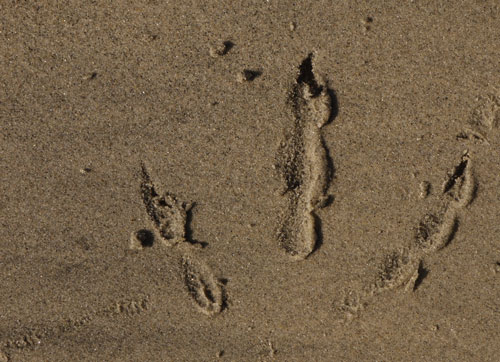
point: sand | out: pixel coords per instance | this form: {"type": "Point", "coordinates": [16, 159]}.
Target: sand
{"type": "Point", "coordinates": [250, 181]}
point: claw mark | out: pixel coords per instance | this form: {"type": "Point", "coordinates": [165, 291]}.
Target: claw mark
{"type": "Point", "coordinates": [303, 162]}
{"type": "Point", "coordinates": [458, 172]}
{"type": "Point", "coordinates": [463, 186]}
{"type": "Point", "coordinates": [168, 215]}
{"type": "Point", "coordinates": [204, 288]}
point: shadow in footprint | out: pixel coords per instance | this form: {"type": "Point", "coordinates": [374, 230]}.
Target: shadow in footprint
{"type": "Point", "coordinates": [249, 75]}
{"type": "Point", "coordinates": [319, 233]}
{"type": "Point", "coordinates": [422, 274]}
{"type": "Point", "coordinates": [145, 237]}
{"type": "Point", "coordinates": [334, 104]}
{"type": "Point", "coordinates": [189, 231]}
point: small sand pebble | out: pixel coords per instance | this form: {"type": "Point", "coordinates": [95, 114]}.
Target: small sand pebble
{"type": "Point", "coordinates": [85, 170]}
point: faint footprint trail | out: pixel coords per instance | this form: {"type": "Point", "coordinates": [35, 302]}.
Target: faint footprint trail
{"type": "Point", "coordinates": [170, 218]}
{"type": "Point", "coordinates": [32, 337]}
{"type": "Point", "coordinates": [484, 119]}
{"type": "Point", "coordinates": [404, 268]}
{"type": "Point", "coordinates": [304, 164]}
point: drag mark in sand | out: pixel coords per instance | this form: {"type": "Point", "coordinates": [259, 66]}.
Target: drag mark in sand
{"type": "Point", "coordinates": [304, 164]}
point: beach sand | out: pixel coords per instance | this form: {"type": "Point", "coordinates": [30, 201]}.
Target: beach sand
{"type": "Point", "coordinates": [250, 181]}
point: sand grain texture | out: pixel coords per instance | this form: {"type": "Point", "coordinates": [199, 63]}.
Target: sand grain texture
{"type": "Point", "coordinates": [249, 181]}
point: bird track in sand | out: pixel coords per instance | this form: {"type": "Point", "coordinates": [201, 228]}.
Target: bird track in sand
{"type": "Point", "coordinates": [170, 218]}
{"type": "Point", "coordinates": [404, 268]}
{"type": "Point", "coordinates": [303, 162]}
